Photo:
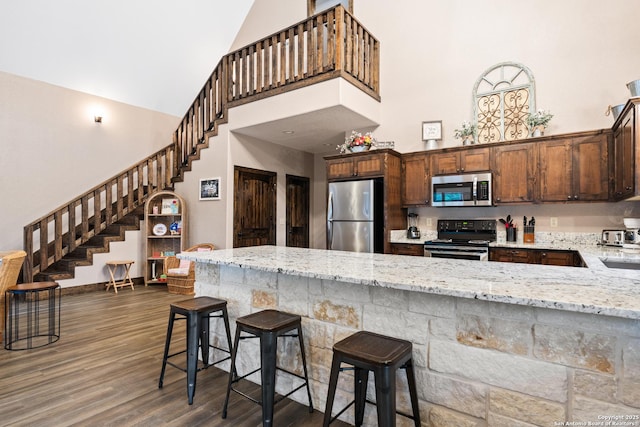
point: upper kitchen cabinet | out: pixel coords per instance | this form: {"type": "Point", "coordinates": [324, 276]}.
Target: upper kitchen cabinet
{"type": "Point", "coordinates": [415, 179]}
{"type": "Point", "coordinates": [626, 131]}
{"type": "Point", "coordinates": [514, 167]}
{"type": "Point", "coordinates": [575, 168]}
{"type": "Point", "coordinates": [356, 165]}
{"type": "Point", "coordinates": [465, 160]}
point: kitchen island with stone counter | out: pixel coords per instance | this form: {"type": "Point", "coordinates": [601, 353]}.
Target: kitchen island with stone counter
{"type": "Point", "coordinates": [494, 343]}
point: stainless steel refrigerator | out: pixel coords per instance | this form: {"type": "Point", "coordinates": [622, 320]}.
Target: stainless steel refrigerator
{"type": "Point", "coordinates": [355, 216]}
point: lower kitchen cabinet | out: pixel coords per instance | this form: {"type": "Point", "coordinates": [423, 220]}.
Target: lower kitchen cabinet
{"type": "Point", "coordinates": [407, 249]}
{"type": "Point", "coordinates": [563, 258]}
{"type": "Point", "coordinates": [536, 256]}
{"type": "Point", "coordinates": [512, 255]}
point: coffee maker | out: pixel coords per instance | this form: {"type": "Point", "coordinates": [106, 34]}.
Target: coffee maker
{"type": "Point", "coordinates": [412, 231]}
{"type": "Point", "coordinates": [632, 233]}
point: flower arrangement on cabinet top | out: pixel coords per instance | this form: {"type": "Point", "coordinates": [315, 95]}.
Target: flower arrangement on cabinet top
{"type": "Point", "coordinates": [357, 142]}
{"type": "Point", "coordinates": [540, 118]}
{"type": "Point", "coordinates": [467, 132]}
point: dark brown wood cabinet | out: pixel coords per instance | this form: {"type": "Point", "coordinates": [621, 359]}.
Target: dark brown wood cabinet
{"type": "Point", "coordinates": [407, 249]}
{"type": "Point", "coordinates": [416, 179]}
{"type": "Point", "coordinates": [358, 165]}
{"type": "Point", "coordinates": [464, 160]}
{"type": "Point", "coordinates": [626, 132]}
{"type": "Point", "coordinates": [575, 169]}
{"type": "Point", "coordinates": [559, 257]}
{"type": "Point", "coordinates": [511, 255]}
{"type": "Point", "coordinates": [384, 164]}
{"type": "Point", "coordinates": [536, 256]}
{"type": "Point", "coordinates": [514, 169]}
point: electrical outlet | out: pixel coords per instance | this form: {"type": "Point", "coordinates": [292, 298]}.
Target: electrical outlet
{"type": "Point", "coordinates": [429, 222]}
{"type": "Point", "coordinates": [553, 221]}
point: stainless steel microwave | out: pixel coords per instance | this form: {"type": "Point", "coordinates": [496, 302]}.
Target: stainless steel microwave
{"type": "Point", "coordinates": [470, 189]}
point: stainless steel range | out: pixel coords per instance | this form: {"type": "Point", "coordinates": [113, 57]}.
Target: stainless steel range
{"type": "Point", "coordinates": [462, 239]}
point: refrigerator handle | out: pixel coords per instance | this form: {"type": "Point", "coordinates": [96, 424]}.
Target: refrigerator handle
{"type": "Point", "coordinates": [330, 221]}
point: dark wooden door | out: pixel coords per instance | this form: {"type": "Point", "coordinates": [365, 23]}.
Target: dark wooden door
{"type": "Point", "coordinates": [297, 211]}
{"type": "Point", "coordinates": [254, 207]}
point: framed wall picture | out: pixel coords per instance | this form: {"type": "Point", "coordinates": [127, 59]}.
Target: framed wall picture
{"type": "Point", "coordinates": [210, 189]}
{"type": "Point", "coordinates": [432, 131]}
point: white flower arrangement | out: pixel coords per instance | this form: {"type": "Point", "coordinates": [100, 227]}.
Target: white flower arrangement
{"type": "Point", "coordinates": [465, 131]}
{"type": "Point", "coordinates": [540, 118]}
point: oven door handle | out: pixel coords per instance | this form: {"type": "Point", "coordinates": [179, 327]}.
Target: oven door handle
{"type": "Point", "coordinates": [481, 255]}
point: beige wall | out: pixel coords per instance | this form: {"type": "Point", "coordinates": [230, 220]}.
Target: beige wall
{"type": "Point", "coordinates": [581, 53]}
{"type": "Point", "coordinates": [53, 151]}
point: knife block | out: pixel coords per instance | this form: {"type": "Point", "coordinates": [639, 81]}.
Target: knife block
{"type": "Point", "coordinates": [529, 234]}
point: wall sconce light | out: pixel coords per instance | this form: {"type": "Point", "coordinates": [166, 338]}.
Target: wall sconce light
{"type": "Point", "coordinates": [98, 119]}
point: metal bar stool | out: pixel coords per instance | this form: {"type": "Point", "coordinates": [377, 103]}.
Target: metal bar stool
{"type": "Point", "coordinates": [197, 312]}
{"type": "Point", "coordinates": [366, 351]}
{"type": "Point", "coordinates": [267, 325]}
{"type": "Point", "coordinates": [23, 300]}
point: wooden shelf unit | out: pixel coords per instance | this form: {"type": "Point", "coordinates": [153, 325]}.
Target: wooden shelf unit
{"type": "Point", "coordinates": [156, 246]}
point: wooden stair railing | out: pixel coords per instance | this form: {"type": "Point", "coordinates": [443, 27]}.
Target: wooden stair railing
{"type": "Point", "coordinates": [325, 46]}
{"type": "Point", "coordinates": [64, 230]}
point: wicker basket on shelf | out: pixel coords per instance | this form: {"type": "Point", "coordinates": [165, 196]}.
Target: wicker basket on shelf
{"type": "Point", "coordinates": [180, 281]}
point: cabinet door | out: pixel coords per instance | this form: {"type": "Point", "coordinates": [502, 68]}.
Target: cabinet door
{"type": "Point", "coordinates": [369, 165]}
{"type": "Point", "coordinates": [445, 163]}
{"type": "Point", "coordinates": [514, 169]}
{"type": "Point", "coordinates": [415, 180]}
{"type": "Point", "coordinates": [590, 175]}
{"type": "Point", "coordinates": [512, 255]}
{"type": "Point", "coordinates": [475, 160]}
{"type": "Point", "coordinates": [340, 168]}
{"type": "Point", "coordinates": [556, 171]}
{"type": "Point", "coordinates": [563, 258]}
{"type": "Point", "coordinates": [624, 163]}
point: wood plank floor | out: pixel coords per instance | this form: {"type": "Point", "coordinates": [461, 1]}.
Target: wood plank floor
{"type": "Point", "coordinates": [104, 372]}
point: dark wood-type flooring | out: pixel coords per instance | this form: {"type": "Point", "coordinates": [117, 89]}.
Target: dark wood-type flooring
{"type": "Point", "coordinates": [104, 372]}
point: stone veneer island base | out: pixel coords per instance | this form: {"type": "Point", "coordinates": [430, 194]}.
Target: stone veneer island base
{"type": "Point", "coordinates": [495, 344]}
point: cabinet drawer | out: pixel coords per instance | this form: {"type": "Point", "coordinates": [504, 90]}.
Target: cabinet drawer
{"type": "Point", "coordinates": [407, 249]}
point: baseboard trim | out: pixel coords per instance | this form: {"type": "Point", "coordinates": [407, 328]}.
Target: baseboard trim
{"type": "Point", "coordinates": [95, 287]}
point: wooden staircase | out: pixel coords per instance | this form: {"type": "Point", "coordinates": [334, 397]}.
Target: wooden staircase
{"type": "Point", "coordinates": [83, 254]}
{"type": "Point", "coordinates": [325, 46]}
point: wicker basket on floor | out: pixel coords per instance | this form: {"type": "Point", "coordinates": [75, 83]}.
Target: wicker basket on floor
{"type": "Point", "coordinates": [182, 284]}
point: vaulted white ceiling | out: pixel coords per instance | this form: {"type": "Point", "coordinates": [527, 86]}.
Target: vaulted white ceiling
{"type": "Point", "coordinates": [155, 54]}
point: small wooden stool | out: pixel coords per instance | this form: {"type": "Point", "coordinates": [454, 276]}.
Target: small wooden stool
{"type": "Point", "coordinates": [267, 325]}
{"type": "Point", "coordinates": [39, 331]}
{"type": "Point", "coordinates": [126, 280]}
{"type": "Point", "coordinates": [367, 351]}
{"type": "Point", "coordinates": [197, 312]}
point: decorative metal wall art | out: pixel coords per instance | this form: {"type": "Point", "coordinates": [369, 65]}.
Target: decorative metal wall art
{"type": "Point", "coordinates": [503, 96]}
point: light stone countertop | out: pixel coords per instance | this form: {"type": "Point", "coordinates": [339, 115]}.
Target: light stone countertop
{"type": "Point", "coordinates": [596, 289]}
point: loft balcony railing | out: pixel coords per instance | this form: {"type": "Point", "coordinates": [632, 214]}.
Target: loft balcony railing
{"type": "Point", "coordinates": [325, 46]}
{"type": "Point", "coordinates": [328, 45]}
